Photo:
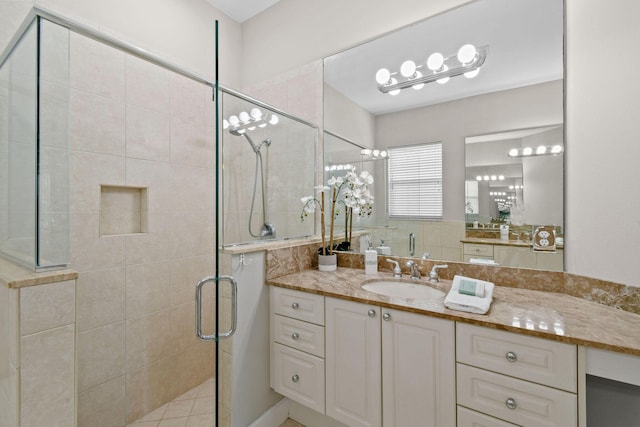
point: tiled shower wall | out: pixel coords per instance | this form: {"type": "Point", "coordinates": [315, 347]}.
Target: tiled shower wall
{"type": "Point", "coordinates": [134, 124]}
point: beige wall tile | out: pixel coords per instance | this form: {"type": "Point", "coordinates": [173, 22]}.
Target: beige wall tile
{"type": "Point", "coordinates": [47, 306]}
{"type": "Point", "coordinates": [148, 134]}
{"type": "Point", "coordinates": [103, 405]}
{"type": "Point", "coordinates": [191, 188]}
{"type": "Point", "coordinates": [148, 85]}
{"type": "Point", "coordinates": [54, 114]}
{"type": "Point", "coordinates": [96, 68]}
{"type": "Point", "coordinates": [191, 144]}
{"type": "Point", "coordinates": [13, 329]}
{"type": "Point", "coordinates": [156, 178]}
{"type": "Point", "coordinates": [101, 355]}
{"type": "Point", "coordinates": [89, 251]}
{"type": "Point", "coordinates": [47, 384]}
{"type": "Point", "coordinates": [187, 100]}
{"type": "Point", "coordinates": [193, 367]}
{"type": "Point", "coordinates": [153, 245]}
{"type": "Point", "coordinates": [96, 123]}
{"type": "Point", "coordinates": [191, 234]}
{"type": "Point", "coordinates": [185, 273]}
{"type": "Point", "coordinates": [148, 288]}
{"type": "Point", "coordinates": [183, 327]}
{"type": "Point", "coordinates": [148, 339]}
{"type": "Point", "coordinates": [100, 298]}
{"type": "Point", "coordinates": [149, 388]}
{"type": "Point", "coordinates": [88, 172]}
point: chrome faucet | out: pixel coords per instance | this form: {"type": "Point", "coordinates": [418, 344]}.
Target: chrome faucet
{"type": "Point", "coordinates": [433, 275]}
{"type": "Point", "coordinates": [397, 272]}
{"type": "Point", "coordinates": [415, 270]}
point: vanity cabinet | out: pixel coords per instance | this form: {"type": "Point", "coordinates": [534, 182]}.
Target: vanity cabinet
{"type": "Point", "coordinates": [297, 346]}
{"type": "Point", "coordinates": [388, 367]}
{"type": "Point", "coordinates": [518, 379]}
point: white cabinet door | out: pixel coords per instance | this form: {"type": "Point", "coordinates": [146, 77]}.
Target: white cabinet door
{"type": "Point", "coordinates": [418, 370]}
{"type": "Point", "coordinates": [353, 365]}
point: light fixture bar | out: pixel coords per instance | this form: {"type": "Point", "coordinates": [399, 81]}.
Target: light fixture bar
{"type": "Point", "coordinates": [448, 71]}
{"type": "Point", "coordinates": [542, 150]}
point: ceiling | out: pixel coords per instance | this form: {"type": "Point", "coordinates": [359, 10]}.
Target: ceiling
{"type": "Point", "coordinates": [524, 39]}
{"type": "Point", "coordinates": [241, 10]}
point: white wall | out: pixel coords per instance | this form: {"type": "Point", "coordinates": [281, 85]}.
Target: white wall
{"type": "Point", "coordinates": [603, 148]}
{"type": "Point", "coordinates": [347, 119]}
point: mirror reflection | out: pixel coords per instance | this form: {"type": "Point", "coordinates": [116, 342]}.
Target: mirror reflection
{"type": "Point", "coordinates": [431, 92]}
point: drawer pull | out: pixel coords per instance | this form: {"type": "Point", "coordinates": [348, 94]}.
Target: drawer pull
{"type": "Point", "coordinates": [386, 316]}
{"type": "Point", "coordinates": [295, 305]}
{"type": "Point", "coordinates": [511, 356]}
{"type": "Point", "coordinates": [295, 336]}
{"type": "Point", "coordinates": [372, 313]}
{"type": "Point", "coordinates": [295, 378]}
{"type": "Point", "coordinates": [511, 403]}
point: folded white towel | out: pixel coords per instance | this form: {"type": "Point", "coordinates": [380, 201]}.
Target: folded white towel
{"type": "Point", "coordinates": [457, 301]}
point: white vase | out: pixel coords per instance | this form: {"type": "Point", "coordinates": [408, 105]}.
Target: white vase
{"type": "Point", "coordinates": [327, 262]}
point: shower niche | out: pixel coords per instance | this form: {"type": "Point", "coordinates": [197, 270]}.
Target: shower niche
{"type": "Point", "coordinates": [269, 163]}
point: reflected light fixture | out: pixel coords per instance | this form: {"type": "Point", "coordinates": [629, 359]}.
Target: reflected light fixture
{"type": "Point", "coordinates": [437, 68]}
{"type": "Point", "coordinates": [373, 154]}
{"type": "Point", "coordinates": [244, 121]}
{"type": "Point", "coordinates": [541, 150]}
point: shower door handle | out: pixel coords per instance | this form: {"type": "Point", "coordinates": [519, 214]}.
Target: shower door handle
{"type": "Point", "coordinates": [234, 308]}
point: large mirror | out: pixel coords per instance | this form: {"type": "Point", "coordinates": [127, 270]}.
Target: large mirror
{"type": "Point", "coordinates": [511, 82]}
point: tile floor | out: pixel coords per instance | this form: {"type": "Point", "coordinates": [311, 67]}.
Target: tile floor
{"type": "Point", "coordinates": [192, 409]}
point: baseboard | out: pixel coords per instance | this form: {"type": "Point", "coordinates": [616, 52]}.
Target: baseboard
{"type": "Point", "coordinates": [273, 416]}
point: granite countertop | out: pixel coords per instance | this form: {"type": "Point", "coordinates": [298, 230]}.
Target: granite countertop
{"type": "Point", "coordinates": [489, 241]}
{"type": "Point", "coordinates": [548, 315]}
{"type": "Point", "coordinates": [13, 275]}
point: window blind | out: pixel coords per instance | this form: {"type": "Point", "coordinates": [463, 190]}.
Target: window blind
{"type": "Point", "coordinates": [415, 181]}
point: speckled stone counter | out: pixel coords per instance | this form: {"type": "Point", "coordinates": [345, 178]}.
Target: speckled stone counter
{"type": "Point", "coordinates": [16, 276]}
{"type": "Point", "coordinates": [548, 315]}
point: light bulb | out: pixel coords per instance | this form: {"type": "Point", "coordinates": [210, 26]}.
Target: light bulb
{"type": "Point", "coordinates": [326, 168]}
{"type": "Point", "coordinates": [225, 124]}
{"type": "Point", "coordinates": [418, 86]}
{"type": "Point", "coordinates": [234, 120]}
{"type": "Point", "coordinates": [467, 53]}
{"type": "Point", "coordinates": [478, 178]}
{"type": "Point", "coordinates": [382, 76]}
{"type": "Point", "coordinates": [556, 149]}
{"type": "Point", "coordinates": [395, 91]}
{"type": "Point", "coordinates": [408, 68]}
{"type": "Point", "coordinates": [340, 167]}
{"type": "Point", "coordinates": [527, 151]}
{"type": "Point", "coordinates": [435, 61]}
{"type": "Point", "coordinates": [365, 151]}
{"type": "Point", "coordinates": [244, 116]}
{"type": "Point", "coordinates": [472, 74]}
{"type": "Point", "coordinates": [493, 177]}
{"type": "Point", "coordinates": [541, 150]}
{"type": "Point", "coordinates": [501, 177]}
{"type": "Point", "coordinates": [383, 154]}
{"type": "Point", "coordinates": [444, 79]}
{"type": "Point", "coordinates": [513, 152]}
{"type": "Point", "coordinates": [256, 113]}
{"type": "Point", "coordinates": [375, 153]}
{"type": "Point", "coordinates": [486, 178]}
{"type": "Point", "coordinates": [274, 119]}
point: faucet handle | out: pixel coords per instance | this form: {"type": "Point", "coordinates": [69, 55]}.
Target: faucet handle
{"type": "Point", "coordinates": [397, 271]}
{"type": "Point", "coordinates": [433, 275]}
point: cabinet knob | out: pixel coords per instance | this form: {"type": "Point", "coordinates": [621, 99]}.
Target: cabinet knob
{"type": "Point", "coordinates": [295, 336]}
{"type": "Point", "coordinates": [295, 305]}
{"type": "Point", "coordinates": [511, 403]}
{"type": "Point", "coordinates": [295, 378]}
{"type": "Point", "coordinates": [372, 313]}
{"type": "Point", "coordinates": [386, 316]}
{"type": "Point", "coordinates": [511, 356]}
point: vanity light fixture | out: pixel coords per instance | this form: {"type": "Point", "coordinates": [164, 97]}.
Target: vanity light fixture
{"type": "Point", "coordinates": [490, 178]}
{"type": "Point", "coordinates": [437, 68]}
{"type": "Point", "coordinates": [339, 167]}
{"type": "Point", "coordinates": [244, 121]}
{"type": "Point", "coordinates": [373, 154]}
{"type": "Point", "coordinates": [542, 150]}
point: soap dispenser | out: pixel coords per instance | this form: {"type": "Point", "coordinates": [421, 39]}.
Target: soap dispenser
{"type": "Point", "coordinates": [370, 260]}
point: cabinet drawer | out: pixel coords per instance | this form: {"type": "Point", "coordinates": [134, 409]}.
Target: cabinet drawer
{"type": "Point", "coordinates": [299, 376]}
{"type": "Point", "coordinates": [534, 359]}
{"type": "Point", "coordinates": [300, 335]}
{"type": "Point", "coordinates": [469, 418]}
{"type": "Point", "coordinates": [475, 249]}
{"type": "Point", "coordinates": [519, 402]}
{"type": "Point", "coordinates": [299, 305]}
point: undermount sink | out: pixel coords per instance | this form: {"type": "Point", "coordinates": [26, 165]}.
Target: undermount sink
{"type": "Point", "coordinates": [403, 289]}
